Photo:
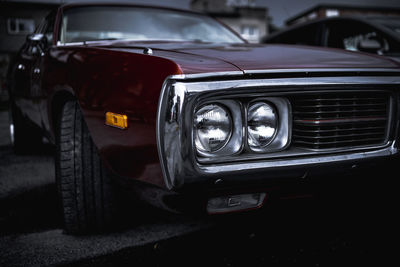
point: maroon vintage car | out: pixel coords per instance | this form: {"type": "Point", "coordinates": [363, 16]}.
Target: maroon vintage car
{"type": "Point", "coordinates": [196, 116]}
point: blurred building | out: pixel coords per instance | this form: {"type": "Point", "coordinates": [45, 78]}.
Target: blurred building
{"type": "Point", "coordinates": [325, 11]}
{"type": "Point", "coordinates": [17, 20]}
{"type": "Point", "coordinates": [241, 15]}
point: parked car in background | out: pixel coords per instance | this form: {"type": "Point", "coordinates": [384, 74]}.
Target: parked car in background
{"type": "Point", "coordinates": [373, 34]}
{"type": "Point", "coordinates": [198, 118]}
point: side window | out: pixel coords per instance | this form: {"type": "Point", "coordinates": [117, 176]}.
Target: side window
{"type": "Point", "coordinates": [355, 36]}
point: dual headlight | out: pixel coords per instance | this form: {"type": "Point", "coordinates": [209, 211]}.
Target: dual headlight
{"type": "Point", "coordinates": [264, 127]}
{"type": "Point", "coordinates": [213, 127]}
{"type": "Point", "coordinates": [262, 124]}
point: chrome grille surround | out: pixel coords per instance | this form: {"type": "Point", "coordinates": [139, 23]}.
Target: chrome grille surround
{"type": "Point", "coordinates": [182, 93]}
{"type": "Point", "coordinates": [342, 119]}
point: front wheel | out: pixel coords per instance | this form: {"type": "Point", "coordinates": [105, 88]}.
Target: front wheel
{"type": "Point", "coordinates": [86, 191]}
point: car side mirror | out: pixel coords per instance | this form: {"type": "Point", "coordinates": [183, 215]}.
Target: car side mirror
{"type": "Point", "coordinates": [369, 45]}
{"type": "Point", "coordinates": [36, 38]}
{"type": "Point", "coordinates": [39, 40]}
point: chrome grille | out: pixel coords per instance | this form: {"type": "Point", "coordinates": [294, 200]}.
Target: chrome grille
{"type": "Point", "coordinates": [340, 120]}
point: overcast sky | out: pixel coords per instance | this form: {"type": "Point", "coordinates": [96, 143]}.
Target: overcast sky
{"type": "Point", "coordinates": [279, 10]}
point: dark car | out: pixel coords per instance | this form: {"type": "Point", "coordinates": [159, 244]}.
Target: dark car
{"type": "Point", "coordinates": [373, 34]}
{"type": "Point", "coordinates": [198, 118]}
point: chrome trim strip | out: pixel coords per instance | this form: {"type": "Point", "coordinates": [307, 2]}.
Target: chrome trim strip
{"type": "Point", "coordinates": [312, 70]}
{"type": "Point", "coordinates": [295, 153]}
{"type": "Point", "coordinates": [240, 85]}
{"type": "Point", "coordinates": [219, 169]}
{"type": "Point", "coordinates": [206, 75]}
{"type": "Point", "coordinates": [160, 124]}
{"type": "Point", "coordinates": [281, 71]}
{"type": "Point", "coordinates": [84, 42]}
{"type": "Point", "coordinates": [69, 44]}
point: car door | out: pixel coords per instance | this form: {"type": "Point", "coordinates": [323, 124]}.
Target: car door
{"type": "Point", "coordinates": [21, 89]}
{"type": "Point", "coordinates": [39, 95]}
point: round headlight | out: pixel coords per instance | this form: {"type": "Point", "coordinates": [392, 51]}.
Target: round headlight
{"type": "Point", "coordinates": [261, 125]}
{"type": "Point", "coordinates": [212, 128]}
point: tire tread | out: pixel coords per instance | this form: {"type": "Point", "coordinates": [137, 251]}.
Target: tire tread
{"type": "Point", "coordinates": [81, 177]}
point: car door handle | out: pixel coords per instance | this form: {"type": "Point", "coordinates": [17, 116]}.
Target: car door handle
{"type": "Point", "coordinates": [21, 67]}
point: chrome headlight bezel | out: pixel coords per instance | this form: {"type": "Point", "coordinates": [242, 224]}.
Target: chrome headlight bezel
{"type": "Point", "coordinates": [256, 121]}
{"type": "Point", "coordinates": [281, 138]}
{"type": "Point", "coordinates": [207, 123]}
{"type": "Point", "coordinates": [234, 143]}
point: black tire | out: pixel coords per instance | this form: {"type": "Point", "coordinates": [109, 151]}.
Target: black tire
{"type": "Point", "coordinates": [85, 188]}
{"type": "Point", "coordinates": [25, 137]}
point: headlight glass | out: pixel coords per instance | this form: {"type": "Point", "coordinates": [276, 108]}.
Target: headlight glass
{"type": "Point", "coordinates": [213, 127]}
{"type": "Point", "coordinates": [262, 124]}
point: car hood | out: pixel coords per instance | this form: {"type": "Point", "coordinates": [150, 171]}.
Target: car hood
{"type": "Point", "coordinates": [200, 58]}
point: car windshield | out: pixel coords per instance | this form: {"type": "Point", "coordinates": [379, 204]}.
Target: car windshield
{"type": "Point", "coordinates": [141, 24]}
{"type": "Point", "coordinates": [391, 23]}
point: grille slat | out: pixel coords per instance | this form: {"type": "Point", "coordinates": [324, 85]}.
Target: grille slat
{"type": "Point", "coordinates": [337, 136]}
{"type": "Point", "coordinates": [359, 105]}
{"type": "Point", "coordinates": [340, 120]}
{"type": "Point", "coordinates": [338, 145]}
{"type": "Point", "coordinates": [339, 142]}
{"type": "Point", "coordinates": [338, 112]}
{"type": "Point", "coordinates": [320, 131]}
{"type": "Point", "coordinates": [336, 121]}
{"type": "Point", "coordinates": [342, 99]}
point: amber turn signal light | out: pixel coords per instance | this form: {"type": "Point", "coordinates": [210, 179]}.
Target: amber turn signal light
{"type": "Point", "coordinates": [117, 120]}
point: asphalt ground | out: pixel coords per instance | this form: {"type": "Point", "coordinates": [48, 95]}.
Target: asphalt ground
{"type": "Point", "coordinates": [339, 226]}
